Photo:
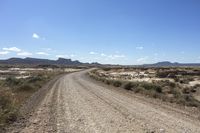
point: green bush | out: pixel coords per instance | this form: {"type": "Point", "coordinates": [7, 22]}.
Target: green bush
{"type": "Point", "coordinates": [150, 86]}
{"type": "Point", "coordinates": [106, 69]}
{"type": "Point", "coordinates": [8, 111]}
{"type": "Point", "coordinates": [34, 79]}
{"type": "Point", "coordinates": [171, 84]}
{"type": "Point", "coordinates": [138, 89]}
{"type": "Point", "coordinates": [11, 81]}
{"type": "Point", "coordinates": [108, 82]}
{"type": "Point", "coordinates": [25, 87]}
{"type": "Point", "coordinates": [117, 83]}
{"type": "Point", "coordinates": [130, 85]}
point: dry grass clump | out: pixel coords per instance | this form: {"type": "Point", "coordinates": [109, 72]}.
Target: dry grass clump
{"type": "Point", "coordinates": [8, 108]}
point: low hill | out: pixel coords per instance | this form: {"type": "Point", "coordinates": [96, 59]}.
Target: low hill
{"type": "Point", "coordinates": [170, 64]}
{"type": "Point", "coordinates": [35, 61]}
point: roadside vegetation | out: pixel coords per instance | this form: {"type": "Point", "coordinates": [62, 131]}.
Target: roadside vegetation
{"type": "Point", "coordinates": [14, 92]}
{"type": "Point", "coordinates": [166, 90]}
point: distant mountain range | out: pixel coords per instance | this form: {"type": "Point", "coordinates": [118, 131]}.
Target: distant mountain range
{"type": "Point", "coordinates": [35, 61]}
{"type": "Point", "coordinates": [69, 62]}
{"type": "Point", "coordinates": [170, 64]}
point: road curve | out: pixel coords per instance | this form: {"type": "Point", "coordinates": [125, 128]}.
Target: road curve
{"type": "Point", "coordinates": [75, 104]}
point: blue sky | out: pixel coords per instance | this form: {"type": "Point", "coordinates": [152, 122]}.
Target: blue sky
{"type": "Point", "coordinates": [105, 31]}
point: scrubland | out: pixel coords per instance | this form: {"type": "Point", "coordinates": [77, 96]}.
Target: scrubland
{"type": "Point", "coordinates": [175, 85]}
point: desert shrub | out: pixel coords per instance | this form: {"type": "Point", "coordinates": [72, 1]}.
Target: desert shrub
{"type": "Point", "coordinates": [158, 89]}
{"type": "Point", "coordinates": [34, 79]}
{"type": "Point", "coordinates": [108, 82]}
{"type": "Point", "coordinates": [188, 100]}
{"type": "Point", "coordinates": [175, 92]}
{"type": "Point", "coordinates": [130, 85]}
{"type": "Point", "coordinates": [171, 84]}
{"type": "Point", "coordinates": [117, 83]}
{"type": "Point", "coordinates": [11, 81]}
{"type": "Point", "coordinates": [8, 110]}
{"type": "Point", "coordinates": [197, 86]}
{"type": "Point", "coordinates": [186, 90]}
{"type": "Point", "coordinates": [154, 94]}
{"type": "Point", "coordinates": [150, 86]}
{"type": "Point", "coordinates": [106, 69]}
{"type": "Point", "coordinates": [184, 81]}
{"type": "Point", "coordinates": [25, 87]}
{"type": "Point", "coordinates": [176, 79]}
{"type": "Point", "coordinates": [162, 74]}
{"type": "Point", "coordinates": [138, 89]}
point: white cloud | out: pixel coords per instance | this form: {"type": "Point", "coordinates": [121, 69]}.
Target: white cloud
{"type": "Point", "coordinates": [4, 52]}
{"type": "Point", "coordinates": [113, 57]}
{"type": "Point", "coordinates": [35, 36]}
{"type": "Point", "coordinates": [103, 55]}
{"type": "Point", "coordinates": [42, 53]}
{"type": "Point", "coordinates": [14, 49]}
{"type": "Point", "coordinates": [119, 56]}
{"type": "Point", "coordinates": [140, 48]}
{"type": "Point", "coordinates": [142, 59]}
{"type": "Point", "coordinates": [72, 55]}
{"type": "Point", "coordinates": [24, 54]}
{"type": "Point", "coordinates": [93, 53]}
{"type": "Point", "coordinates": [48, 49]}
{"type": "Point", "coordinates": [61, 56]}
{"type": "Point", "coordinates": [65, 56]}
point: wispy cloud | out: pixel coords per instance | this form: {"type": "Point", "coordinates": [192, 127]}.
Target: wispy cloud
{"type": "Point", "coordinates": [35, 36]}
{"type": "Point", "coordinates": [48, 49]}
{"type": "Point", "coordinates": [13, 49]}
{"type": "Point", "coordinates": [103, 55]}
{"type": "Point", "coordinates": [42, 53]}
{"type": "Point", "coordinates": [72, 55]}
{"type": "Point", "coordinates": [65, 56]}
{"type": "Point", "coordinates": [143, 59]}
{"type": "Point", "coordinates": [24, 54]}
{"type": "Point", "coordinates": [62, 56]}
{"type": "Point", "coordinates": [140, 48]}
{"type": "Point", "coordinates": [4, 52]}
{"type": "Point", "coordinates": [116, 56]}
{"type": "Point", "coordinates": [93, 53]}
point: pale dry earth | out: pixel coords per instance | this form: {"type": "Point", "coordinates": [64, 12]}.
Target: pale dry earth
{"type": "Point", "coordinates": [77, 104]}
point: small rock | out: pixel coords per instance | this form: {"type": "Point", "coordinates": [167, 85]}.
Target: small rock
{"type": "Point", "coordinates": [162, 130]}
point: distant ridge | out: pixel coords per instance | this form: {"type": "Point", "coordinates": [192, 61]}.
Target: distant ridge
{"type": "Point", "coordinates": [69, 62]}
{"type": "Point", "coordinates": [170, 64]}
{"type": "Point", "coordinates": [36, 61]}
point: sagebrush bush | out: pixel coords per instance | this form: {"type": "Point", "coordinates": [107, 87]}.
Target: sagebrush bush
{"type": "Point", "coordinates": [11, 81]}
{"type": "Point", "coordinates": [25, 87]}
{"type": "Point", "coordinates": [130, 85]}
{"type": "Point", "coordinates": [117, 83]}
{"type": "Point", "coordinates": [8, 110]}
{"type": "Point", "coordinates": [150, 86]}
{"type": "Point", "coordinates": [34, 79]}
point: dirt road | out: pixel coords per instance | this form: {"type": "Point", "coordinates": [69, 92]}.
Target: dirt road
{"type": "Point", "coordinates": [76, 104]}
